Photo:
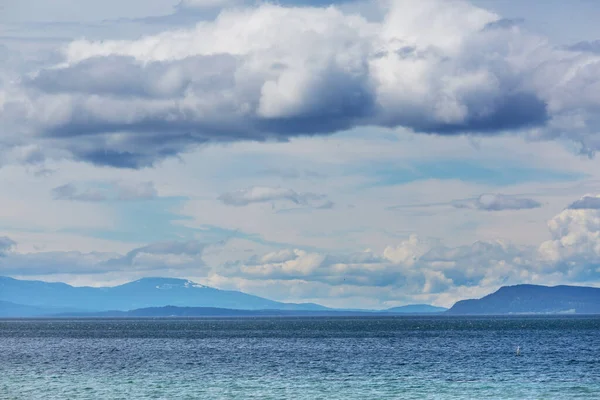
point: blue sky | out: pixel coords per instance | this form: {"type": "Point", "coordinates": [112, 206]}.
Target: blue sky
{"type": "Point", "coordinates": [369, 154]}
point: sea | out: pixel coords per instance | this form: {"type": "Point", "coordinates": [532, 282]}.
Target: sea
{"type": "Point", "coordinates": [302, 358]}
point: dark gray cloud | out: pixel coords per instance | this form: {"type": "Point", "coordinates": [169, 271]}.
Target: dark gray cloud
{"type": "Point", "coordinates": [512, 111]}
{"type": "Point", "coordinates": [498, 202]}
{"type": "Point", "coordinates": [146, 107]}
{"type": "Point", "coordinates": [586, 203]}
{"type": "Point", "coordinates": [132, 103]}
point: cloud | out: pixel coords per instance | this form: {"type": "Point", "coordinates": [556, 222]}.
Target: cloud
{"type": "Point", "coordinates": [135, 191]}
{"type": "Point", "coordinates": [586, 46]}
{"type": "Point", "coordinates": [163, 255]}
{"type": "Point", "coordinates": [70, 191]}
{"type": "Point", "coordinates": [6, 244]}
{"type": "Point", "coordinates": [264, 194]}
{"type": "Point", "coordinates": [417, 267]}
{"type": "Point", "coordinates": [498, 202]}
{"type": "Point", "coordinates": [131, 103]}
{"type": "Point", "coordinates": [166, 258]}
{"type": "Point", "coordinates": [414, 266]}
{"type": "Point", "coordinates": [293, 173]}
{"type": "Point", "coordinates": [575, 243]}
{"type": "Point", "coordinates": [504, 23]}
{"type": "Point", "coordinates": [113, 191]}
{"type": "Point", "coordinates": [586, 203]}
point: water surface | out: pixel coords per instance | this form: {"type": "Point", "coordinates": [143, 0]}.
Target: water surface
{"type": "Point", "coordinates": [301, 358]}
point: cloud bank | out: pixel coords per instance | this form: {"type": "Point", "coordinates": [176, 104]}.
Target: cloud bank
{"type": "Point", "coordinates": [171, 258]}
{"type": "Point", "coordinates": [429, 270]}
{"type": "Point", "coordinates": [432, 66]}
{"type": "Point", "coordinates": [414, 268]}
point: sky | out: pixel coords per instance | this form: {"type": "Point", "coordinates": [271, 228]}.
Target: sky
{"type": "Point", "coordinates": [363, 154]}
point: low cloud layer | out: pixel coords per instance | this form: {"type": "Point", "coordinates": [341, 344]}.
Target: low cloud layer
{"type": "Point", "coordinates": [419, 267]}
{"type": "Point", "coordinates": [414, 268]}
{"type": "Point", "coordinates": [162, 258]}
{"type": "Point", "coordinates": [498, 202]}
{"type": "Point", "coordinates": [440, 67]}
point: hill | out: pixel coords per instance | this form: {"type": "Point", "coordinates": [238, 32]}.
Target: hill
{"type": "Point", "coordinates": [533, 299]}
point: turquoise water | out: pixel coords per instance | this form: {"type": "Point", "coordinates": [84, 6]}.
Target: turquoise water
{"type": "Point", "coordinates": [301, 358]}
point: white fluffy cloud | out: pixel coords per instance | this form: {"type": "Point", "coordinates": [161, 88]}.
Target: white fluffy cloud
{"type": "Point", "coordinates": [414, 266]}
{"type": "Point", "coordinates": [575, 242]}
{"type": "Point", "coordinates": [433, 66]}
{"type": "Point", "coordinates": [417, 267]}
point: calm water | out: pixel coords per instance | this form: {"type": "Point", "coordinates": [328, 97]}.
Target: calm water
{"type": "Point", "coordinates": [303, 358]}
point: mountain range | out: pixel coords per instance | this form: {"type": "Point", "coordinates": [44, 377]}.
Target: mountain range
{"type": "Point", "coordinates": [180, 297]}
{"type": "Point", "coordinates": [151, 296]}
{"type": "Point", "coordinates": [143, 293]}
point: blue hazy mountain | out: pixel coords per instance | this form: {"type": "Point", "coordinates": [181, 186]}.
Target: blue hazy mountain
{"type": "Point", "coordinates": [172, 311]}
{"type": "Point", "coordinates": [416, 309]}
{"type": "Point", "coordinates": [143, 293]}
{"type": "Point", "coordinates": [533, 299]}
{"type": "Point", "coordinates": [8, 309]}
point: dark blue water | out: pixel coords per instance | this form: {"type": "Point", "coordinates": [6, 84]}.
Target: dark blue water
{"type": "Point", "coordinates": [301, 358]}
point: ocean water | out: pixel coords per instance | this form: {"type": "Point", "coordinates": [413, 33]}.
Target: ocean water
{"type": "Point", "coordinates": [301, 358]}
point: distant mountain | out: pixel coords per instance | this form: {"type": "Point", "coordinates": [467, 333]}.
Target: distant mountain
{"type": "Point", "coordinates": [171, 311]}
{"type": "Point", "coordinates": [533, 299]}
{"type": "Point", "coordinates": [416, 309]}
{"type": "Point", "coordinates": [8, 310]}
{"type": "Point", "coordinates": [143, 293]}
